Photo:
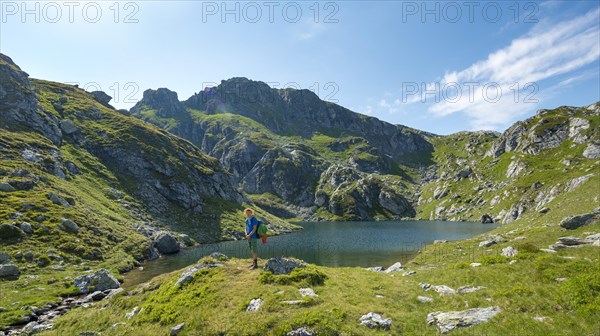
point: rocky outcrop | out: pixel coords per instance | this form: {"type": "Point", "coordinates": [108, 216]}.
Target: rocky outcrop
{"type": "Point", "coordinates": [189, 273]}
{"type": "Point", "coordinates": [163, 101]}
{"type": "Point", "coordinates": [254, 305]}
{"type": "Point", "coordinates": [19, 104]}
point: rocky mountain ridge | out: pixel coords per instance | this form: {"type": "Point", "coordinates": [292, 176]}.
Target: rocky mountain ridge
{"type": "Point", "coordinates": [335, 169]}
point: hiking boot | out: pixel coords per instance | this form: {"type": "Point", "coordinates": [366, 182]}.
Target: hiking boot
{"type": "Point", "coordinates": [254, 265]}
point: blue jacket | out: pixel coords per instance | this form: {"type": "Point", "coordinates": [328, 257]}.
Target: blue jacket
{"type": "Point", "coordinates": [250, 224]}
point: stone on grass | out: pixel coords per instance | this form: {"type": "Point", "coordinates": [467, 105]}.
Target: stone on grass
{"type": "Point", "coordinates": [69, 226]}
{"type": "Point", "coordinates": [177, 329]}
{"type": "Point", "coordinates": [424, 299]}
{"type": "Point", "coordinates": [27, 228]}
{"type": "Point", "coordinates": [302, 331]}
{"type": "Point", "coordinates": [409, 273]}
{"type": "Point", "coordinates": [448, 321]}
{"type": "Point", "coordinates": [374, 320]}
{"type": "Point", "coordinates": [254, 305]}
{"type": "Point", "coordinates": [440, 241]}
{"type": "Point", "coordinates": [101, 280]}
{"type": "Point", "coordinates": [509, 251]}
{"type": "Point", "coordinates": [9, 271]}
{"type": "Point", "coordinates": [188, 274]}
{"type": "Point", "coordinates": [68, 126]}
{"type": "Point", "coordinates": [307, 292]}
{"type": "Point", "coordinates": [475, 264]}
{"type": "Point", "coordinates": [573, 241]}
{"type": "Point", "coordinates": [467, 289]}
{"type": "Point", "coordinates": [487, 243]}
{"type": "Point", "coordinates": [219, 256]}
{"type": "Point", "coordinates": [375, 269]}
{"type": "Point", "coordinates": [575, 222]}
{"type": "Point", "coordinates": [396, 267]}
{"type": "Point", "coordinates": [281, 265]}
{"type": "Point", "coordinates": [54, 198]}
{"type": "Point", "coordinates": [443, 290]}
{"type": "Point", "coordinates": [6, 187]}
{"type": "Point", "coordinates": [132, 313]}
{"type": "Point", "coordinates": [293, 302]}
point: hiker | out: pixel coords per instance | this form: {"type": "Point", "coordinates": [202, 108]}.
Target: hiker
{"type": "Point", "coordinates": [252, 235]}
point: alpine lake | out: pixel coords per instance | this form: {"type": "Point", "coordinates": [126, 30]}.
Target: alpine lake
{"type": "Point", "coordinates": [332, 244]}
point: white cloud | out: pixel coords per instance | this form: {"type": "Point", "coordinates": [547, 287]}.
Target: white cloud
{"type": "Point", "coordinates": [537, 56]}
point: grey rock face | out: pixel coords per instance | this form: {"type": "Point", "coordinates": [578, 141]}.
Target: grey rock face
{"type": "Point", "coordinates": [27, 228]}
{"type": "Point", "coordinates": [166, 243]}
{"type": "Point", "coordinates": [374, 320]}
{"type": "Point", "coordinates": [4, 258]}
{"type": "Point", "coordinates": [58, 200]}
{"type": "Point", "coordinates": [448, 321]}
{"type": "Point", "coordinates": [9, 270]}
{"type": "Point", "coordinates": [280, 265]}
{"type": "Point", "coordinates": [68, 126]}
{"type": "Point", "coordinates": [163, 100]}
{"type": "Point", "coordinates": [19, 105]}
{"type": "Point", "coordinates": [100, 280]}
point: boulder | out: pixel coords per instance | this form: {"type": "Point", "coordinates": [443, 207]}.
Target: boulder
{"type": "Point", "coordinates": [27, 228]}
{"type": "Point", "coordinates": [54, 198]}
{"type": "Point", "coordinates": [448, 321]}
{"type": "Point", "coordinates": [487, 243]}
{"type": "Point", "coordinates": [254, 305]}
{"type": "Point", "coordinates": [4, 258]}
{"type": "Point", "coordinates": [409, 273]}
{"type": "Point", "coordinates": [440, 241]}
{"type": "Point", "coordinates": [475, 264]}
{"type": "Point", "coordinates": [281, 265]}
{"type": "Point", "coordinates": [302, 331]}
{"type": "Point", "coordinates": [69, 226]}
{"type": "Point", "coordinates": [9, 271]}
{"type": "Point", "coordinates": [443, 290]}
{"type": "Point", "coordinates": [100, 280]}
{"type": "Point", "coordinates": [307, 292]}
{"type": "Point", "coordinates": [6, 187]}
{"type": "Point", "coordinates": [9, 232]}
{"type": "Point", "coordinates": [396, 267]}
{"type": "Point", "coordinates": [573, 241]}
{"type": "Point", "coordinates": [166, 243]}
{"type": "Point", "coordinates": [177, 329]}
{"type": "Point", "coordinates": [68, 126]}
{"type": "Point", "coordinates": [374, 320]}
{"type": "Point", "coordinates": [22, 185]}
{"type": "Point", "coordinates": [486, 219]}
{"type": "Point", "coordinates": [509, 251]}
{"type": "Point", "coordinates": [592, 151]}
{"type": "Point", "coordinates": [101, 97]}
{"type": "Point", "coordinates": [575, 222]}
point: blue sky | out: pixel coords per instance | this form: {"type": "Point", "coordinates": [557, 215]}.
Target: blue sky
{"type": "Point", "coordinates": [437, 66]}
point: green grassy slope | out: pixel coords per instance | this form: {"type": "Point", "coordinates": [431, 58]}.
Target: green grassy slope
{"type": "Point", "coordinates": [214, 302]}
{"type": "Point", "coordinates": [105, 199]}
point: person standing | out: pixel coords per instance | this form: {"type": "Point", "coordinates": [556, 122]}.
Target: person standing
{"type": "Point", "coordinates": [252, 235]}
